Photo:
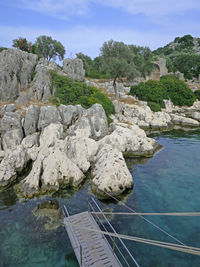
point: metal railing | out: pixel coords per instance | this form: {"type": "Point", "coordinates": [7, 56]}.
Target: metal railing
{"type": "Point", "coordinates": [113, 240]}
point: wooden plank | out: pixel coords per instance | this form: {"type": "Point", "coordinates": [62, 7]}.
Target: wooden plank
{"type": "Point", "coordinates": [96, 250]}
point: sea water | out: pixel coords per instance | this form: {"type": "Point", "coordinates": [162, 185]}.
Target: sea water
{"type": "Point", "coordinates": [167, 182]}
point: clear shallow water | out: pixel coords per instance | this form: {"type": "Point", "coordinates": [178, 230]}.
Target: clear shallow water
{"type": "Point", "coordinates": [170, 181]}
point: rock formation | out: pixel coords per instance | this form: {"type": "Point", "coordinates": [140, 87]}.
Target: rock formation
{"type": "Point", "coordinates": [74, 69]}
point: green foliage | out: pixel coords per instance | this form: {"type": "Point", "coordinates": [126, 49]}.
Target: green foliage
{"type": "Point", "coordinates": [22, 44]}
{"type": "Point", "coordinates": [150, 91]}
{"type": "Point", "coordinates": [33, 73]}
{"type": "Point", "coordinates": [178, 91]}
{"type": "Point", "coordinates": [197, 94]}
{"type": "Point", "coordinates": [169, 87]}
{"type": "Point", "coordinates": [48, 48]}
{"type": "Point", "coordinates": [69, 92]}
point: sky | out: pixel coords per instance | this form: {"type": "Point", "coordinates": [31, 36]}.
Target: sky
{"type": "Point", "coordinates": [84, 25]}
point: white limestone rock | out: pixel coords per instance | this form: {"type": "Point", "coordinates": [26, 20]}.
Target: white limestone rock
{"type": "Point", "coordinates": [11, 139]}
{"type": "Point", "coordinates": [110, 172]}
{"type": "Point", "coordinates": [183, 121]}
{"type": "Point", "coordinates": [81, 151]}
{"type": "Point", "coordinates": [130, 140]}
{"type": "Point", "coordinates": [48, 115]}
{"type": "Point", "coordinates": [195, 116]}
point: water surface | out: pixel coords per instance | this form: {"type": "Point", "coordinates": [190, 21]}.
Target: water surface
{"type": "Point", "coordinates": [168, 182]}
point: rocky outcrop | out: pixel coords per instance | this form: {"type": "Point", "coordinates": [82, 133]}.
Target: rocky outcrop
{"type": "Point", "coordinates": [74, 69]}
{"type": "Point", "coordinates": [110, 172]}
{"type": "Point", "coordinates": [48, 115]}
{"type": "Point", "coordinates": [195, 116]}
{"type": "Point", "coordinates": [41, 89]}
{"type": "Point", "coordinates": [15, 72]}
{"type": "Point", "coordinates": [12, 139]}
{"type": "Point", "coordinates": [31, 120]}
{"type": "Point", "coordinates": [92, 124]}
{"type": "Point", "coordinates": [183, 121]}
{"type": "Point", "coordinates": [131, 141]}
{"type": "Point", "coordinates": [69, 114]}
{"type": "Point", "coordinates": [81, 151]}
{"type": "Point", "coordinates": [10, 121]}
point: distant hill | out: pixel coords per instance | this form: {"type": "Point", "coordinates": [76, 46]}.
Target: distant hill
{"type": "Point", "coordinates": [185, 44]}
{"type": "Point", "coordinates": [182, 55]}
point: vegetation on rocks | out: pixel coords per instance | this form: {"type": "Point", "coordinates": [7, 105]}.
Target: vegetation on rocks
{"type": "Point", "coordinates": [73, 93]}
{"type": "Point", "coordinates": [181, 55]}
{"type": "Point", "coordinates": [197, 94]}
{"type": "Point", "coordinates": [169, 87]}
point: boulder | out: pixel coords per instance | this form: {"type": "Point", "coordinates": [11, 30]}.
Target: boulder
{"type": "Point", "coordinates": [10, 121]}
{"type": "Point", "coordinates": [31, 140]}
{"type": "Point", "coordinates": [16, 67]}
{"type": "Point", "coordinates": [195, 116]}
{"type": "Point", "coordinates": [31, 119]}
{"type": "Point", "coordinates": [131, 141]}
{"type": "Point", "coordinates": [110, 172]}
{"type": "Point", "coordinates": [42, 89]}
{"type": "Point", "coordinates": [183, 121]}
{"type": "Point", "coordinates": [13, 138]}
{"type": "Point", "coordinates": [12, 164]}
{"type": "Point", "coordinates": [51, 134]}
{"type": "Point", "coordinates": [74, 69]}
{"type": "Point", "coordinates": [81, 151]}
{"type": "Point", "coordinates": [92, 124]}
{"type": "Point", "coordinates": [70, 114]}
{"type": "Point", "coordinates": [48, 115]}
{"type": "Point", "coordinates": [7, 108]}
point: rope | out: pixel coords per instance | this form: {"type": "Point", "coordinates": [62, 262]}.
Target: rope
{"type": "Point", "coordinates": [150, 214]}
{"type": "Point", "coordinates": [181, 248]}
{"type": "Point", "coordinates": [156, 226]}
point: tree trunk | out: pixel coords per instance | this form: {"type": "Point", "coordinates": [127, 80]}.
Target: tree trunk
{"type": "Point", "coordinates": [115, 87]}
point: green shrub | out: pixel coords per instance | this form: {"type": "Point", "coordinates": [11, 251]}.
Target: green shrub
{"type": "Point", "coordinates": [178, 91]}
{"type": "Point", "coordinates": [151, 91]}
{"type": "Point", "coordinates": [197, 94]}
{"type": "Point", "coordinates": [73, 93]}
{"type": "Point", "coordinates": [169, 87]}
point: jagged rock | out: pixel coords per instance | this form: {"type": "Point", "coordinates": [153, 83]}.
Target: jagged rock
{"type": "Point", "coordinates": [7, 108]}
{"type": "Point", "coordinates": [12, 164]}
{"type": "Point", "coordinates": [23, 98]}
{"type": "Point", "coordinates": [130, 140]}
{"type": "Point", "coordinates": [10, 121]}
{"type": "Point", "coordinates": [81, 151]}
{"type": "Point", "coordinates": [195, 116]}
{"type": "Point", "coordinates": [31, 140]}
{"type": "Point", "coordinates": [51, 134]}
{"type": "Point", "coordinates": [183, 121]}
{"type": "Point", "coordinates": [74, 69]}
{"type": "Point", "coordinates": [110, 172]}
{"type": "Point", "coordinates": [41, 88]}
{"type": "Point", "coordinates": [70, 114]}
{"type": "Point", "coordinates": [31, 120]}
{"type": "Point", "coordinates": [160, 120]}
{"type": "Point", "coordinates": [52, 166]}
{"type": "Point", "coordinates": [48, 115]}
{"type": "Point", "coordinates": [13, 138]}
{"type": "Point", "coordinates": [93, 123]}
{"type": "Point", "coordinates": [16, 67]}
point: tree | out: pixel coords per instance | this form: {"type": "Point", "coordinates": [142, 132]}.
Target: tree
{"type": "Point", "coordinates": [22, 44]}
{"type": "Point", "coordinates": [118, 61]}
{"type": "Point", "coordinates": [49, 48]}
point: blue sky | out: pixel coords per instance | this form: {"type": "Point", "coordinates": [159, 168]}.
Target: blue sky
{"type": "Point", "coordinates": [83, 25]}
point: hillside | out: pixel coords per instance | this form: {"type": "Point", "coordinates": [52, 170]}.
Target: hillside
{"type": "Point", "coordinates": [183, 55]}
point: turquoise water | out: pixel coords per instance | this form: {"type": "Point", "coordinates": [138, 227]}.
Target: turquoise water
{"type": "Point", "coordinates": [170, 181]}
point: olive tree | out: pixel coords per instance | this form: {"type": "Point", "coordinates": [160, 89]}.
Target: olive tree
{"type": "Point", "coordinates": [118, 60]}
{"type": "Point", "coordinates": [49, 48]}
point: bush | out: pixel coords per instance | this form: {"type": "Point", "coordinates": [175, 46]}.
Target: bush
{"type": "Point", "coordinates": [176, 90]}
{"type": "Point", "coordinates": [197, 94]}
{"type": "Point", "coordinates": [169, 87]}
{"type": "Point", "coordinates": [151, 91]}
{"type": "Point", "coordinates": [73, 93]}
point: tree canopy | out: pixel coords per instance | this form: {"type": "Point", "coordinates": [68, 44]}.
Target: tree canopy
{"type": "Point", "coordinates": [44, 47]}
{"type": "Point", "coordinates": [49, 48]}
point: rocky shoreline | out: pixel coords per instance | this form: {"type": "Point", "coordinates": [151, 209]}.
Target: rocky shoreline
{"type": "Point", "coordinates": [44, 147]}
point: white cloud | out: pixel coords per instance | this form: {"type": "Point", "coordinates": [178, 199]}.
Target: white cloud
{"type": "Point", "coordinates": [65, 8]}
